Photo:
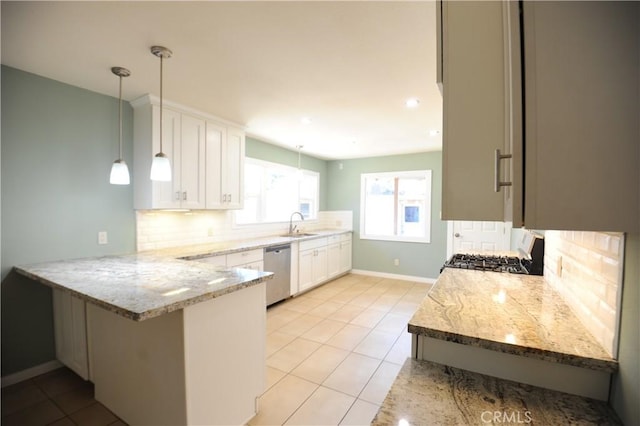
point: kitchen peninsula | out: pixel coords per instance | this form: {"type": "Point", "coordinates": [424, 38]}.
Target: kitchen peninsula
{"type": "Point", "coordinates": [169, 341]}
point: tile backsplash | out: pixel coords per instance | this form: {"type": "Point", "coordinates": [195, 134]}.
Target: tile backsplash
{"type": "Point", "coordinates": [163, 229]}
{"type": "Point", "coordinates": [586, 269]}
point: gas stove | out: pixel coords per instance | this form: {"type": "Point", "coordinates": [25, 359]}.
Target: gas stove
{"type": "Point", "coordinates": [531, 261]}
{"type": "Point", "coordinates": [511, 264]}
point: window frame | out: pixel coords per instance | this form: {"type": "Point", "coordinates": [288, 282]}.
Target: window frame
{"type": "Point", "coordinates": [428, 175]}
{"type": "Point", "coordinates": [315, 208]}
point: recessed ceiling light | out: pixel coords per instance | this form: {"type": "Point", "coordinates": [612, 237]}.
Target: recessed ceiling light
{"type": "Point", "coordinates": [434, 132]}
{"type": "Point", "coordinates": [305, 120]}
{"type": "Point", "coordinates": [412, 103]}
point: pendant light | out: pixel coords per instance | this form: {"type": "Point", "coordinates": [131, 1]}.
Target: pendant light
{"type": "Point", "coordinates": [161, 167]}
{"type": "Point", "coordinates": [119, 170]}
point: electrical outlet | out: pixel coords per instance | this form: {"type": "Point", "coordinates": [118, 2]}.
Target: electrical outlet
{"type": "Point", "coordinates": [102, 238]}
{"type": "Point", "coordinates": [396, 262]}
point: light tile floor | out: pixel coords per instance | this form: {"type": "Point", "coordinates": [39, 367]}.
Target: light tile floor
{"type": "Point", "coordinates": [332, 355]}
{"type": "Point", "coordinates": [333, 352]}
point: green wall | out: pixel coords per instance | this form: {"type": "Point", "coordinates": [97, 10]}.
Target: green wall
{"type": "Point", "coordinates": [58, 143]}
{"type": "Point", "coordinates": [276, 154]}
{"type": "Point", "coordinates": [416, 259]}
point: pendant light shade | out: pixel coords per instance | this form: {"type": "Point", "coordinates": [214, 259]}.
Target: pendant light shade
{"type": "Point", "coordinates": [161, 166]}
{"type": "Point", "coordinates": [119, 170]}
{"type": "Point", "coordinates": [119, 173]}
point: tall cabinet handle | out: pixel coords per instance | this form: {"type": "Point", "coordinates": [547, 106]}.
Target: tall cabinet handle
{"type": "Point", "coordinates": [498, 182]}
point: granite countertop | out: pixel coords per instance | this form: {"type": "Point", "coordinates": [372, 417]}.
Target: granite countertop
{"type": "Point", "coordinates": [198, 251]}
{"type": "Point", "coordinates": [141, 286]}
{"type": "Point", "coordinates": [426, 393]}
{"type": "Point", "coordinates": [148, 284]}
{"type": "Point", "coordinates": [511, 313]}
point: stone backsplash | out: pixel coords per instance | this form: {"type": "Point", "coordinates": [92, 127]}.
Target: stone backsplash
{"type": "Point", "coordinates": [586, 269]}
{"type": "Point", "coordinates": [162, 229]}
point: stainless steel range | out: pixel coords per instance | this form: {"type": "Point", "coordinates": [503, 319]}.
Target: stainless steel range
{"type": "Point", "coordinates": [510, 264]}
{"type": "Point", "coordinates": [531, 261]}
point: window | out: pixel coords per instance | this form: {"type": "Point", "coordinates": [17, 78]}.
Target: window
{"type": "Point", "coordinates": [396, 206]}
{"type": "Point", "coordinates": [273, 191]}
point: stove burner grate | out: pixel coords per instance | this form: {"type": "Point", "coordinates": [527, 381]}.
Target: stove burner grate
{"type": "Point", "coordinates": [509, 264]}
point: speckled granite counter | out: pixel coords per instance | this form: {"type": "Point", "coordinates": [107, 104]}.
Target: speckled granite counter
{"type": "Point", "coordinates": [426, 393]}
{"type": "Point", "coordinates": [194, 252]}
{"type": "Point", "coordinates": [141, 286]}
{"type": "Point", "coordinates": [148, 284]}
{"type": "Point", "coordinates": [515, 314]}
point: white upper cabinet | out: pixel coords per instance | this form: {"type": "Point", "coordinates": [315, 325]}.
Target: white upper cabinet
{"type": "Point", "coordinates": [191, 177]}
{"type": "Point", "coordinates": [206, 155]}
{"type": "Point", "coordinates": [225, 167]}
{"type": "Point", "coordinates": [572, 124]}
{"type": "Point", "coordinates": [232, 182]}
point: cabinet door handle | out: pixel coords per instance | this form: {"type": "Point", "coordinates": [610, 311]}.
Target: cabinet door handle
{"type": "Point", "coordinates": [224, 198]}
{"type": "Point", "coordinates": [229, 198]}
{"type": "Point", "coordinates": [177, 195]}
{"type": "Point", "coordinates": [498, 182]}
{"type": "Point", "coordinates": [184, 196]}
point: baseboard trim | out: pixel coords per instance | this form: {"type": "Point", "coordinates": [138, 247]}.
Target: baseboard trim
{"type": "Point", "coordinates": [20, 376]}
{"type": "Point", "coordinates": [393, 276]}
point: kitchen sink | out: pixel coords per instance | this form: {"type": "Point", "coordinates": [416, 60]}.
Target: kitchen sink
{"type": "Point", "coordinates": [298, 235]}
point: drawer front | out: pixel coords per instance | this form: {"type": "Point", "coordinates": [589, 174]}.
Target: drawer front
{"type": "Point", "coordinates": [345, 237]}
{"type": "Point", "coordinates": [312, 244]}
{"type": "Point", "coordinates": [244, 257]}
{"type": "Point", "coordinates": [332, 239]}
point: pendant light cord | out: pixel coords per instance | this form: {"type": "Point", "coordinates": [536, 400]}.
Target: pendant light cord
{"type": "Point", "coordinates": [120, 117]}
{"type": "Point", "coordinates": [161, 63]}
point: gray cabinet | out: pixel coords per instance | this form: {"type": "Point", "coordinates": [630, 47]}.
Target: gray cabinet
{"type": "Point", "coordinates": [571, 126]}
{"type": "Point", "coordinates": [582, 115]}
{"type": "Point", "coordinates": [476, 64]}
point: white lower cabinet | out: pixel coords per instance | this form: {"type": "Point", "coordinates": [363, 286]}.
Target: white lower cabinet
{"type": "Point", "coordinates": [70, 328]}
{"type": "Point", "coordinates": [248, 259]}
{"type": "Point", "coordinates": [333, 260]}
{"type": "Point", "coordinates": [313, 267]}
{"type": "Point", "coordinates": [322, 259]}
{"type": "Point", "coordinates": [345, 253]}
{"type": "Point", "coordinates": [338, 255]}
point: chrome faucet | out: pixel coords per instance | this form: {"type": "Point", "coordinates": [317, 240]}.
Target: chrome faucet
{"type": "Point", "coordinates": [291, 226]}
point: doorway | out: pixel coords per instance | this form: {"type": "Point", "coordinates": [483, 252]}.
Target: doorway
{"type": "Point", "coordinates": [467, 236]}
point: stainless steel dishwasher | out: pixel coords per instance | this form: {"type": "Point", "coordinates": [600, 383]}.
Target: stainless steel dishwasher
{"type": "Point", "coordinates": [277, 259]}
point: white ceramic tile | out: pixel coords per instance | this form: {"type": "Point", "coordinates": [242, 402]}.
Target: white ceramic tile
{"type": "Point", "coordinates": [324, 407]}
{"type": "Point", "coordinates": [352, 375]}
{"type": "Point", "coordinates": [360, 413]}
{"type": "Point", "coordinates": [376, 390]}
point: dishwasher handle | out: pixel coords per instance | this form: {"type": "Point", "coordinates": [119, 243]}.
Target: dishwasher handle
{"type": "Point", "coordinates": [277, 249]}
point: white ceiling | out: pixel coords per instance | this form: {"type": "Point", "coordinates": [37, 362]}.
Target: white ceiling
{"type": "Point", "coordinates": [349, 66]}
